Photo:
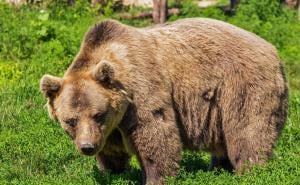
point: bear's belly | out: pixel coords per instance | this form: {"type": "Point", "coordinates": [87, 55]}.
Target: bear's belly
{"type": "Point", "coordinates": [199, 118]}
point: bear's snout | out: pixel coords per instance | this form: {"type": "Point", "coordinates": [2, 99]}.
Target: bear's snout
{"type": "Point", "coordinates": [87, 148]}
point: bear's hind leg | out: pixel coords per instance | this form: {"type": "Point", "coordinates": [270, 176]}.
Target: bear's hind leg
{"type": "Point", "coordinates": [245, 153]}
{"type": "Point", "coordinates": [252, 121]}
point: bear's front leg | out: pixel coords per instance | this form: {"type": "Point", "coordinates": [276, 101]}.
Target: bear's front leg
{"type": "Point", "coordinates": [157, 142]}
{"type": "Point", "coordinates": [114, 156]}
{"type": "Point", "coordinates": [220, 162]}
{"type": "Point", "coordinates": [113, 163]}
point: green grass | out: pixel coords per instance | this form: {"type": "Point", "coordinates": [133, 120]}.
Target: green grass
{"type": "Point", "coordinates": [35, 150]}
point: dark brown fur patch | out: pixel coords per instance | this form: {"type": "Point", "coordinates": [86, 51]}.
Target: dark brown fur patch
{"type": "Point", "coordinates": [159, 114]}
{"type": "Point", "coordinates": [80, 62]}
{"type": "Point", "coordinates": [102, 32]}
{"type": "Point", "coordinates": [79, 100]}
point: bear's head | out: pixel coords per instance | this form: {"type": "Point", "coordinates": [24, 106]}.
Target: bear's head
{"type": "Point", "coordinates": [88, 105]}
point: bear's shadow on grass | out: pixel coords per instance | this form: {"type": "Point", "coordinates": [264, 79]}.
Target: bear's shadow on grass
{"type": "Point", "coordinates": [193, 162]}
{"type": "Point", "coordinates": [190, 163]}
{"type": "Point", "coordinates": [132, 175]}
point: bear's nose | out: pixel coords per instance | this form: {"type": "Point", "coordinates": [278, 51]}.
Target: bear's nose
{"type": "Point", "coordinates": [87, 148]}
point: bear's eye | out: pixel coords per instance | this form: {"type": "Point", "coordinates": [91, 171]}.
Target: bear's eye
{"type": "Point", "coordinates": [71, 122]}
{"type": "Point", "coordinates": [99, 118]}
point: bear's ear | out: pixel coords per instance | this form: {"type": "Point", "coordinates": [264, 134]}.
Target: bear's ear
{"type": "Point", "coordinates": [50, 85]}
{"type": "Point", "coordinates": [104, 73]}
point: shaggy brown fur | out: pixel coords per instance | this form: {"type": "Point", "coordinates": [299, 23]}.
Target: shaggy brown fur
{"type": "Point", "coordinates": [198, 84]}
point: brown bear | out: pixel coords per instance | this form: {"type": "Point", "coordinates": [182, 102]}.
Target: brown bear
{"type": "Point", "coordinates": [197, 84]}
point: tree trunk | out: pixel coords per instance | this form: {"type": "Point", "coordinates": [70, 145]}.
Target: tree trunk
{"type": "Point", "coordinates": [16, 2]}
{"type": "Point", "coordinates": [163, 11]}
{"type": "Point", "coordinates": [291, 3]}
{"type": "Point", "coordinates": [299, 9]}
{"type": "Point", "coordinates": [71, 2]}
{"type": "Point", "coordinates": [155, 12]}
{"type": "Point", "coordinates": [233, 4]}
{"type": "Point", "coordinates": [160, 11]}
{"type": "Point", "coordinates": [95, 2]}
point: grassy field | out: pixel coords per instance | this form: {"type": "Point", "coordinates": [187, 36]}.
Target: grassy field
{"type": "Point", "coordinates": [36, 40]}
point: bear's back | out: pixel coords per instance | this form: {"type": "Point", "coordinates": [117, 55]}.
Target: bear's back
{"type": "Point", "coordinates": [216, 38]}
{"type": "Point", "coordinates": [210, 48]}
